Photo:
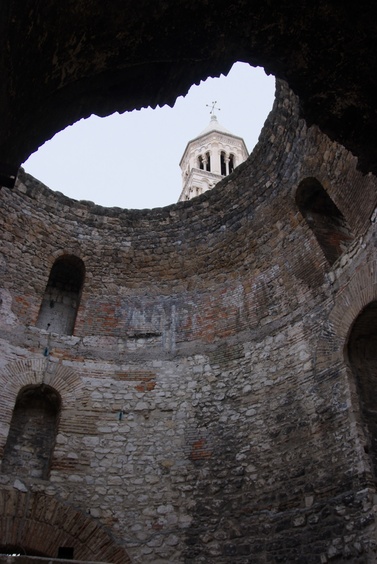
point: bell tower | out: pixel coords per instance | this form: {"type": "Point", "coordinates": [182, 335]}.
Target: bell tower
{"type": "Point", "coordinates": [209, 157]}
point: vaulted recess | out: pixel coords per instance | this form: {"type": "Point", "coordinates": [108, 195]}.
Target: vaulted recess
{"type": "Point", "coordinates": [324, 218]}
{"type": "Point", "coordinates": [62, 296]}
{"type": "Point", "coordinates": [362, 355]}
{"type": "Point", "coordinates": [31, 438]}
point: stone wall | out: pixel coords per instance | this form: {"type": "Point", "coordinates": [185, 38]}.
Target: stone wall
{"type": "Point", "coordinates": [208, 412]}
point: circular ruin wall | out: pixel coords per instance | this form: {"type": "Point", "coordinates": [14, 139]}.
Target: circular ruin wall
{"type": "Point", "coordinates": [242, 229]}
{"type": "Point", "coordinates": [194, 426]}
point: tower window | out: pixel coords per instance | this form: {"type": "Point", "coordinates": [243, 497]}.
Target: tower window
{"type": "Point", "coordinates": [324, 218]}
{"type": "Point", "coordinates": [62, 296]}
{"type": "Point", "coordinates": [32, 433]}
{"type": "Point", "coordinates": [200, 162]}
{"type": "Point", "coordinates": [208, 162]}
{"type": "Point", "coordinates": [231, 163]}
{"type": "Point", "coordinates": [222, 163]}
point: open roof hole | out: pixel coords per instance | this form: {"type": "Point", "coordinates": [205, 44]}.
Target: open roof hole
{"type": "Point", "coordinates": [132, 160]}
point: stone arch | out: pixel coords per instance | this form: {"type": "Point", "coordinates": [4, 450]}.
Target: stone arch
{"type": "Point", "coordinates": [35, 372]}
{"type": "Point", "coordinates": [324, 218]}
{"type": "Point", "coordinates": [62, 295]}
{"type": "Point", "coordinates": [32, 434]}
{"type": "Point", "coordinates": [334, 373]}
{"type": "Point", "coordinates": [349, 303]}
{"type": "Point", "coordinates": [42, 524]}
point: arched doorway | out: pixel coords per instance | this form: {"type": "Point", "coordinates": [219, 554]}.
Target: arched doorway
{"type": "Point", "coordinates": [362, 356]}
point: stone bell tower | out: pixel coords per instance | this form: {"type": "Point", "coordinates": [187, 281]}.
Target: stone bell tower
{"type": "Point", "coordinates": [210, 156]}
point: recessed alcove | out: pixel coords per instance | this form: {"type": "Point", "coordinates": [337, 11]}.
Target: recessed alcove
{"type": "Point", "coordinates": [325, 219]}
{"type": "Point", "coordinates": [362, 356]}
{"type": "Point", "coordinates": [131, 160]}
{"type": "Point", "coordinates": [31, 438]}
{"type": "Point", "coordinates": [61, 299]}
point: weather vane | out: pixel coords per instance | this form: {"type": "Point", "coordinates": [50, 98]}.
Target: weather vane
{"type": "Point", "coordinates": [213, 107]}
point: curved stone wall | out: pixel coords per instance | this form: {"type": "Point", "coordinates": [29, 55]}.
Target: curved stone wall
{"type": "Point", "coordinates": [208, 411]}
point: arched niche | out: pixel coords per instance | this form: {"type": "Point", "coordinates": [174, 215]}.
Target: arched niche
{"type": "Point", "coordinates": [32, 433]}
{"type": "Point", "coordinates": [328, 224]}
{"type": "Point", "coordinates": [62, 296]}
{"type": "Point", "coordinates": [362, 356]}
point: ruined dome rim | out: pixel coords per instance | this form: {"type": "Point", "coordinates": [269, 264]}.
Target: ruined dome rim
{"type": "Point", "coordinates": [95, 209]}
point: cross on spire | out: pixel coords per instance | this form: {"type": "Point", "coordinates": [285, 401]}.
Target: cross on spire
{"type": "Point", "coordinates": [213, 107]}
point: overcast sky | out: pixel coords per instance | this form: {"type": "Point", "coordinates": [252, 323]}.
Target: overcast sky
{"type": "Point", "coordinates": [132, 160]}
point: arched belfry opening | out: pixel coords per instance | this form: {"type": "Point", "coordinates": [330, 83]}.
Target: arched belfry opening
{"type": "Point", "coordinates": [232, 163]}
{"type": "Point", "coordinates": [362, 356]}
{"type": "Point", "coordinates": [32, 433]}
{"type": "Point", "coordinates": [324, 218]}
{"type": "Point", "coordinates": [62, 296]}
{"type": "Point", "coordinates": [222, 163]}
